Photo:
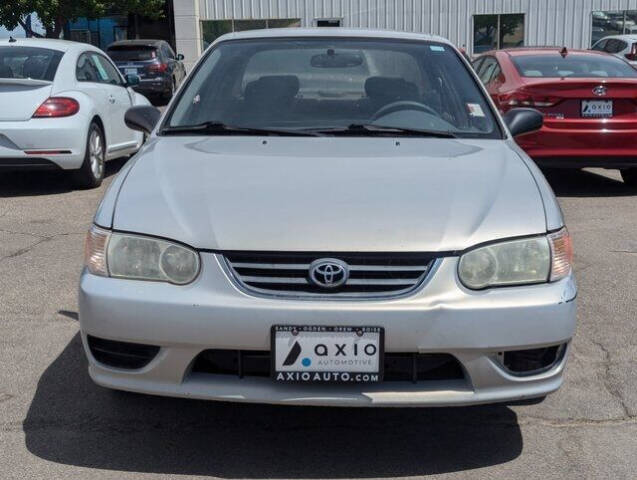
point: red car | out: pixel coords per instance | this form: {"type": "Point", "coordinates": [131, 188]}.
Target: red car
{"type": "Point", "coordinates": [589, 102]}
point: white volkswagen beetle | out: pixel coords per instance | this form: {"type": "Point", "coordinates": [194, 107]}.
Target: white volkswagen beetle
{"type": "Point", "coordinates": [63, 106]}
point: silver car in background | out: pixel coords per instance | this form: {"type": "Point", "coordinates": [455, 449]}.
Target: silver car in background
{"type": "Point", "coordinates": [330, 217]}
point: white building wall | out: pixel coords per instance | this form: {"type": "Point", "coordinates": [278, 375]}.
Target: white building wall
{"type": "Point", "coordinates": [547, 22]}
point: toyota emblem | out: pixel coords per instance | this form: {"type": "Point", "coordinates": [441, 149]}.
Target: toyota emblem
{"type": "Point", "coordinates": [600, 90]}
{"type": "Point", "coordinates": [328, 273]}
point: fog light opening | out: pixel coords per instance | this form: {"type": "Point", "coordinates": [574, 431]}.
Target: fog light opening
{"type": "Point", "coordinates": [124, 355]}
{"type": "Point", "coordinates": [531, 361]}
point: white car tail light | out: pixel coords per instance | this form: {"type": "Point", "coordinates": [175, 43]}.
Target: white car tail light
{"type": "Point", "coordinates": [57, 107]}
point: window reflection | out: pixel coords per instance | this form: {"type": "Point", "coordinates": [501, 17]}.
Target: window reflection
{"type": "Point", "coordinates": [212, 29]}
{"type": "Point", "coordinates": [491, 32]}
{"type": "Point", "coordinates": [606, 23]}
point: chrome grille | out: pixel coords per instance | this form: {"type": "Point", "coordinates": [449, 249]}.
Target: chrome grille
{"type": "Point", "coordinates": [370, 274]}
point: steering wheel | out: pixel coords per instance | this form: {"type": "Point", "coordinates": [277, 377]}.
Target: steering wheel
{"type": "Point", "coordinates": [403, 105]}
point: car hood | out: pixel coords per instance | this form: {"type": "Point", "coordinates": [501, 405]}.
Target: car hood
{"type": "Point", "coordinates": [329, 194]}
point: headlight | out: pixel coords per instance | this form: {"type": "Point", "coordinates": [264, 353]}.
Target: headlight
{"type": "Point", "coordinates": [142, 258]}
{"type": "Point", "coordinates": [518, 262]}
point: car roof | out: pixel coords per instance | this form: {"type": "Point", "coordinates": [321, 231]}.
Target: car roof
{"type": "Point", "coordinates": [141, 43]}
{"type": "Point", "coordinates": [331, 32]}
{"type": "Point", "coordinates": [619, 37]}
{"type": "Point", "coordinates": [51, 43]}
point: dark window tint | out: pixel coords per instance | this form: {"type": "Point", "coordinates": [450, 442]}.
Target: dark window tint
{"type": "Point", "coordinates": [615, 45]}
{"type": "Point", "coordinates": [599, 46]}
{"type": "Point", "coordinates": [29, 62]}
{"type": "Point", "coordinates": [132, 53]}
{"type": "Point", "coordinates": [578, 66]}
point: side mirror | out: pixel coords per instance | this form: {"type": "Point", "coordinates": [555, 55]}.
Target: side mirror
{"type": "Point", "coordinates": [180, 57]}
{"type": "Point", "coordinates": [131, 80]}
{"type": "Point", "coordinates": [523, 120]}
{"type": "Point", "coordinates": [142, 118]}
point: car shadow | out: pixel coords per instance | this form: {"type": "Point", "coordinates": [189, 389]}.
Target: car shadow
{"type": "Point", "coordinates": [32, 183]}
{"type": "Point", "coordinates": [585, 183]}
{"type": "Point", "coordinates": [74, 422]}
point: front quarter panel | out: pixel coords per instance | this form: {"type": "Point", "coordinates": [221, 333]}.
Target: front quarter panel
{"type": "Point", "coordinates": [104, 215]}
{"type": "Point", "coordinates": [139, 99]}
{"type": "Point", "coordinates": [552, 209]}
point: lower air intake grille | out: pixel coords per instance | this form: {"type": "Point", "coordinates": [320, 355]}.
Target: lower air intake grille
{"type": "Point", "coordinates": [121, 354]}
{"type": "Point", "coordinates": [399, 367]}
{"type": "Point", "coordinates": [369, 274]}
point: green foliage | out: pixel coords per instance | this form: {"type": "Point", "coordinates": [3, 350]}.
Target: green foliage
{"type": "Point", "coordinates": [55, 13]}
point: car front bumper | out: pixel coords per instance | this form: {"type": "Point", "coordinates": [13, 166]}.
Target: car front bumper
{"type": "Point", "coordinates": [441, 317]}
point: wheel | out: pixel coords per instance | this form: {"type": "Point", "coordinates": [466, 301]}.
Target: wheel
{"type": "Point", "coordinates": [630, 176]}
{"type": "Point", "coordinates": [91, 173]}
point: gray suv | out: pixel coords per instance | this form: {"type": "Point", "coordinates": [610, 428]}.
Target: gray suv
{"type": "Point", "coordinates": [160, 70]}
{"type": "Point", "coordinates": [330, 217]}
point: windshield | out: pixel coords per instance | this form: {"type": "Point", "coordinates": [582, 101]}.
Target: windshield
{"type": "Point", "coordinates": [132, 53]}
{"type": "Point", "coordinates": [326, 84]}
{"type": "Point", "coordinates": [29, 62]}
{"type": "Point", "coordinates": [576, 66]}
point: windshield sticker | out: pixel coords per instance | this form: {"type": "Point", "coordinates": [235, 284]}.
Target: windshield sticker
{"type": "Point", "coordinates": [475, 110]}
{"type": "Point", "coordinates": [436, 48]}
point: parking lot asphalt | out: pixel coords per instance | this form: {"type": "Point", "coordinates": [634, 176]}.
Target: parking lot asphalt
{"type": "Point", "coordinates": [55, 423]}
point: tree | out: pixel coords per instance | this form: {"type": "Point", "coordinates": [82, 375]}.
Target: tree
{"type": "Point", "coordinates": [55, 13]}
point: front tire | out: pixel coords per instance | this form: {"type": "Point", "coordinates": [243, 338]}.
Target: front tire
{"type": "Point", "coordinates": [629, 175]}
{"type": "Point", "coordinates": [91, 173]}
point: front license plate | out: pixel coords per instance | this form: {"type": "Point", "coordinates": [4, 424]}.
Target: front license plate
{"type": "Point", "coordinates": [320, 354]}
{"type": "Point", "coordinates": [130, 71]}
{"type": "Point", "coordinates": [597, 108]}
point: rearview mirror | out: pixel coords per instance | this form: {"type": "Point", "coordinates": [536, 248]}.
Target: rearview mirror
{"type": "Point", "coordinates": [131, 80]}
{"type": "Point", "coordinates": [523, 120]}
{"type": "Point", "coordinates": [142, 118]}
{"type": "Point", "coordinates": [333, 59]}
{"type": "Point", "coordinates": [180, 57]}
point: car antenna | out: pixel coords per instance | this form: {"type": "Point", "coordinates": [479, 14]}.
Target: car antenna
{"type": "Point", "coordinates": [564, 52]}
{"type": "Point", "coordinates": [12, 40]}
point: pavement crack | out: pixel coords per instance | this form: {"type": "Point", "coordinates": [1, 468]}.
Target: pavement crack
{"type": "Point", "coordinates": [24, 250]}
{"type": "Point", "coordinates": [612, 389]}
{"type": "Point", "coordinates": [42, 239]}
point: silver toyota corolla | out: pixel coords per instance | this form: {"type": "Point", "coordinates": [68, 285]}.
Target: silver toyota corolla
{"type": "Point", "coordinates": [330, 217]}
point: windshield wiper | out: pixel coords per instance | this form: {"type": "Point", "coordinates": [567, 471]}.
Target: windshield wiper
{"type": "Point", "coordinates": [372, 129]}
{"type": "Point", "coordinates": [208, 128]}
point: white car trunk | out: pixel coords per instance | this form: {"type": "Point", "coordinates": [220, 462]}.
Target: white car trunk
{"type": "Point", "coordinates": [20, 98]}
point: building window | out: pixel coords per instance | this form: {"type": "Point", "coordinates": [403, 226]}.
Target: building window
{"type": "Point", "coordinates": [491, 32]}
{"type": "Point", "coordinates": [211, 29]}
{"type": "Point", "coordinates": [328, 22]}
{"type": "Point", "coordinates": [613, 23]}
